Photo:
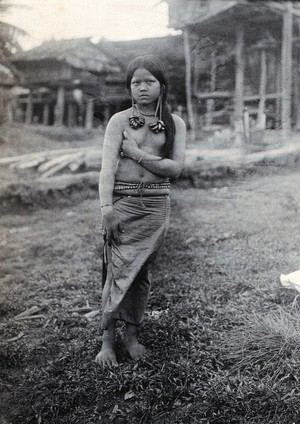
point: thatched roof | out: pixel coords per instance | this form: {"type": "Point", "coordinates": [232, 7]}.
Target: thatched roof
{"type": "Point", "coordinates": [219, 15]}
{"type": "Point", "coordinates": [79, 53]}
{"type": "Point", "coordinates": [169, 49]}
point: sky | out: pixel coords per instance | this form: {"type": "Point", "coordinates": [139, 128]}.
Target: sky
{"type": "Point", "coordinates": [112, 19]}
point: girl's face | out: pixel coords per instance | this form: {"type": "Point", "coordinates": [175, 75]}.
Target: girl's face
{"type": "Point", "coordinates": [145, 88]}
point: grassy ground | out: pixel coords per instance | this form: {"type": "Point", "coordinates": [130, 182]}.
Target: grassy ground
{"type": "Point", "coordinates": [223, 335]}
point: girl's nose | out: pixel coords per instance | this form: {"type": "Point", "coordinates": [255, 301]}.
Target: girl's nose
{"type": "Point", "coordinates": [143, 86]}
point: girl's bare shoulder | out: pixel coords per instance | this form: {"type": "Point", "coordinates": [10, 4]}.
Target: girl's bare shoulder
{"type": "Point", "coordinates": [120, 118]}
{"type": "Point", "coordinates": [179, 122]}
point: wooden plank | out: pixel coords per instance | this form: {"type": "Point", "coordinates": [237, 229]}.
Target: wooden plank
{"type": "Point", "coordinates": [55, 161]}
{"type": "Point", "coordinates": [48, 154]}
{"type": "Point", "coordinates": [268, 96]}
{"type": "Point", "coordinates": [58, 167]}
{"type": "Point", "coordinates": [32, 163]}
{"type": "Point", "coordinates": [215, 95]}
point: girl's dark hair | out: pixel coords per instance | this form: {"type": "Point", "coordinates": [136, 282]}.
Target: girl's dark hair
{"type": "Point", "coordinates": [155, 67]}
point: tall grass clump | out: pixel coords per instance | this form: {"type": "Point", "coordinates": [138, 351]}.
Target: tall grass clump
{"type": "Point", "coordinates": [267, 342]}
{"type": "Point", "coordinates": [259, 376]}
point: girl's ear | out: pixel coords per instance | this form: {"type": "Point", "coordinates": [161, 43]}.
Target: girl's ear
{"type": "Point", "coordinates": [163, 88]}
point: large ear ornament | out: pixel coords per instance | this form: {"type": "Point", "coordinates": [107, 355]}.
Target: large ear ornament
{"type": "Point", "coordinates": [157, 126]}
{"type": "Point", "coordinates": [136, 122]}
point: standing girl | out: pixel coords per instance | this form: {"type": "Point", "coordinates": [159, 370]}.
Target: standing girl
{"type": "Point", "coordinates": [143, 147]}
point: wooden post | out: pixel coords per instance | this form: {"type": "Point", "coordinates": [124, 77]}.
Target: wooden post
{"type": "Point", "coordinates": [297, 86]}
{"type": "Point", "coordinates": [210, 103]}
{"type": "Point", "coordinates": [188, 79]}
{"type": "Point", "coordinates": [262, 84]}
{"type": "Point", "coordinates": [239, 83]}
{"type": "Point", "coordinates": [89, 117]}
{"type": "Point", "coordinates": [29, 109]}
{"type": "Point", "coordinates": [278, 88]}
{"type": "Point", "coordinates": [60, 106]}
{"type": "Point", "coordinates": [46, 113]}
{"type": "Point", "coordinates": [286, 65]}
{"type": "Point", "coordinates": [10, 110]}
{"type": "Point", "coordinates": [71, 117]}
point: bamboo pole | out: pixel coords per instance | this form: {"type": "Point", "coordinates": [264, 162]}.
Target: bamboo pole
{"type": "Point", "coordinates": [239, 83]}
{"type": "Point", "coordinates": [286, 64]}
{"type": "Point", "coordinates": [188, 79]}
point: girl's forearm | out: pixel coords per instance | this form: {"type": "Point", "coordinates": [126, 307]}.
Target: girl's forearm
{"type": "Point", "coordinates": [157, 165]}
{"type": "Point", "coordinates": [106, 187]}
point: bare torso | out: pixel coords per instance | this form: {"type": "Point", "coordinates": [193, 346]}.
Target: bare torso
{"type": "Point", "coordinates": [129, 170]}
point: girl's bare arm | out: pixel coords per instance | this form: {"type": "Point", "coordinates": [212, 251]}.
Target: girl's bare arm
{"type": "Point", "coordinates": [110, 156]}
{"type": "Point", "coordinates": [157, 165]}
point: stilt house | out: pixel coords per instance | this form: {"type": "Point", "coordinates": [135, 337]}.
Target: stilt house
{"type": "Point", "coordinates": [68, 82]}
{"type": "Point", "coordinates": [75, 82]}
{"type": "Point", "coordinates": [241, 55]}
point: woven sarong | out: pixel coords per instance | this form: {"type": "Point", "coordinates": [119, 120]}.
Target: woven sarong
{"type": "Point", "coordinates": [126, 280]}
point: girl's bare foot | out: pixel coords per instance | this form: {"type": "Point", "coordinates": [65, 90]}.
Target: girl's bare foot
{"type": "Point", "coordinates": [107, 356]}
{"type": "Point", "coordinates": [135, 349]}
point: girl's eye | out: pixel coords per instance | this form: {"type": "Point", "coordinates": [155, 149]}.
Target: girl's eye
{"type": "Point", "coordinates": [135, 82]}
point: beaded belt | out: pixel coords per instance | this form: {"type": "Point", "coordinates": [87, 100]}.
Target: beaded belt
{"type": "Point", "coordinates": [120, 185]}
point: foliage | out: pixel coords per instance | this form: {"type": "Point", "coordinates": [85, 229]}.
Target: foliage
{"type": "Point", "coordinates": [8, 35]}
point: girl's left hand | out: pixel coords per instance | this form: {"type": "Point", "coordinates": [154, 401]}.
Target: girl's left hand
{"type": "Point", "coordinates": [129, 146]}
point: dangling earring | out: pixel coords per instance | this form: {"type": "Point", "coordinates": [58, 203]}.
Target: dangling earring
{"type": "Point", "coordinates": [135, 121]}
{"type": "Point", "coordinates": [159, 125]}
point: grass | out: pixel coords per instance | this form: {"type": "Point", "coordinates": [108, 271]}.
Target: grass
{"type": "Point", "coordinates": [222, 334]}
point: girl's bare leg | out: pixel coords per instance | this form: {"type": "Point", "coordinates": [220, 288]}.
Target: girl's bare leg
{"type": "Point", "coordinates": [107, 356]}
{"type": "Point", "coordinates": [135, 349]}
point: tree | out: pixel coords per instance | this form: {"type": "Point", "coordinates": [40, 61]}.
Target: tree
{"type": "Point", "coordinates": [8, 36]}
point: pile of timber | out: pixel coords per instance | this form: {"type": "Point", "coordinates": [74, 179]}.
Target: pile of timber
{"type": "Point", "coordinates": [50, 163]}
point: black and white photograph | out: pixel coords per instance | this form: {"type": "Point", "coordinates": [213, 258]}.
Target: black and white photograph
{"type": "Point", "coordinates": [149, 211]}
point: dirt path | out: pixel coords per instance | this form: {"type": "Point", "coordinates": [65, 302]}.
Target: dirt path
{"type": "Point", "coordinates": [225, 252]}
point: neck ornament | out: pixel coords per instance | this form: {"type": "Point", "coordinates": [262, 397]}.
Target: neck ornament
{"type": "Point", "coordinates": [137, 120]}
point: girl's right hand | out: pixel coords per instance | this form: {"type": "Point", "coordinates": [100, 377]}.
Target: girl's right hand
{"type": "Point", "coordinates": [111, 225]}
